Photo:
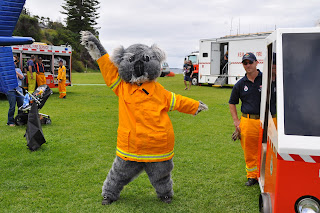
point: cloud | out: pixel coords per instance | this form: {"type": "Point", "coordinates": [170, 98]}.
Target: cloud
{"type": "Point", "coordinates": [177, 26]}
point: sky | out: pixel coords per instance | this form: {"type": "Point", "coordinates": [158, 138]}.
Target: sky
{"type": "Point", "coordinates": [176, 26]}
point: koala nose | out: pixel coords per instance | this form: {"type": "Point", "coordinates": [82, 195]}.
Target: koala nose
{"type": "Point", "coordinates": [138, 68]}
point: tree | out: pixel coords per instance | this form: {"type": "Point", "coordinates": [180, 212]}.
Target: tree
{"type": "Point", "coordinates": [28, 26]}
{"type": "Point", "coordinates": [81, 15]}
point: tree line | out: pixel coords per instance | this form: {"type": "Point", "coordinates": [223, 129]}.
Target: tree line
{"type": "Point", "coordinates": [81, 15]}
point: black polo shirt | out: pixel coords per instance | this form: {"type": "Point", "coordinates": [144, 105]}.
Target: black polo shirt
{"type": "Point", "coordinates": [250, 94]}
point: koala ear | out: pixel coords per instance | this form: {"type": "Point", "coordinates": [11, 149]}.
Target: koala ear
{"type": "Point", "coordinates": [159, 53]}
{"type": "Point", "coordinates": [117, 55]}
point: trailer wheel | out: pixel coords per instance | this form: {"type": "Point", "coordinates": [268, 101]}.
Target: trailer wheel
{"type": "Point", "coordinates": [265, 203]}
{"type": "Point", "coordinates": [194, 80]}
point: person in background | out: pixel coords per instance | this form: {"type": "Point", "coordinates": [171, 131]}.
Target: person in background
{"type": "Point", "coordinates": [31, 74]}
{"type": "Point", "coordinates": [224, 64]}
{"type": "Point", "coordinates": [248, 90]}
{"type": "Point", "coordinates": [41, 78]}
{"type": "Point", "coordinates": [188, 74]}
{"type": "Point", "coordinates": [12, 95]}
{"type": "Point", "coordinates": [62, 80]}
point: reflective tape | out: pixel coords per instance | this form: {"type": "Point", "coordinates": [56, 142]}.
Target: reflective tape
{"type": "Point", "coordinates": [251, 169]}
{"type": "Point", "coordinates": [172, 102]}
{"type": "Point", "coordinates": [144, 157]}
{"type": "Point", "coordinates": [116, 83]}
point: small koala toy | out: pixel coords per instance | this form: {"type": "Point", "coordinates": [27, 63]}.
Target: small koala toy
{"type": "Point", "coordinates": [145, 139]}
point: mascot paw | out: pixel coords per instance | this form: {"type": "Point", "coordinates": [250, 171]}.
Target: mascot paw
{"type": "Point", "coordinates": [92, 44]}
{"type": "Point", "coordinates": [202, 107]}
{"type": "Point", "coordinates": [106, 201]}
{"type": "Point", "coordinates": [166, 199]}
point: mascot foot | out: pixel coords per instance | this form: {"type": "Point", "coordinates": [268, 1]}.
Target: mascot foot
{"type": "Point", "coordinates": [166, 199]}
{"type": "Point", "coordinates": [107, 201]}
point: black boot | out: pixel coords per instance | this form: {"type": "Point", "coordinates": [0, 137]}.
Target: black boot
{"type": "Point", "coordinates": [251, 182]}
{"type": "Point", "coordinates": [107, 201]}
{"type": "Point", "coordinates": [166, 199]}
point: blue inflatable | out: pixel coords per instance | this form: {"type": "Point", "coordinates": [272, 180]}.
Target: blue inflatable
{"type": "Point", "coordinates": [9, 14]}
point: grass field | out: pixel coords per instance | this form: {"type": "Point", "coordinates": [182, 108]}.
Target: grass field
{"type": "Point", "coordinates": [67, 173]}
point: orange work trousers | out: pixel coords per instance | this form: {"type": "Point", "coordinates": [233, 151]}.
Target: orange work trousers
{"type": "Point", "coordinates": [41, 79]}
{"type": "Point", "coordinates": [62, 88]}
{"type": "Point", "coordinates": [250, 142]}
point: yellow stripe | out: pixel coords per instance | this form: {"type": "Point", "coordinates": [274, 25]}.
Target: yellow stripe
{"type": "Point", "coordinates": [115, 84]}
{"type": "Point", "coordinates": [144, 157]}
{"type": "Point", "coordinates": [173, 102]}
{"type": "Point", "coordinates": [251, 169]}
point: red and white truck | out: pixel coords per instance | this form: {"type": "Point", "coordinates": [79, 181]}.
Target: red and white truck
{"type": "Point", "coordinates": [211, 54]}
{"type": "Point", "coordinates": [50, 56]}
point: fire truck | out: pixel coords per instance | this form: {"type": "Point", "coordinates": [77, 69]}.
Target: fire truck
{"type": "Point", "coordinates": [289, 144]}
{"type": "Point", "coordinates": [214, 71]}
{"type": "Point", "coordinates": [50, 57]}
{"type": "Point", "coordinates": [194, 58]}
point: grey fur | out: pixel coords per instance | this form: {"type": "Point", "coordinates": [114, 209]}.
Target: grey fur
{"type": "Point", "coordinates": [92, 44]}
{"type": "Point", "coordinates": [122, 58]}
{"type": "Point", "coordinates": [123, 172]}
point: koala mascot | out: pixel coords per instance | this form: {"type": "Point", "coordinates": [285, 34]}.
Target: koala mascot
{"type": "Point", "coordinates": [145, 134]}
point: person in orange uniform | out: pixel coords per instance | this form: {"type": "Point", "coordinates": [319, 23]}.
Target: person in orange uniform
{"type": "Point", "coordinates": [41, 78]}
{"type": "Point", "coordinates": [145, 134]}
{"type": "Point", "coordinates": [248, 90]}
{"type": "Point", "coordinates": [62, 80]}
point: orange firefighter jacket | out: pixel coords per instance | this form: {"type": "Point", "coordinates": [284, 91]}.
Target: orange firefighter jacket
{"type": "Point", "coordinates": [145, 132]}
{"type": "Point", "coordinates": [62, 73]}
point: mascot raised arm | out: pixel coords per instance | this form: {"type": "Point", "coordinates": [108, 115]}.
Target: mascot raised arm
{"type": "Point", "coordinates": [145, 134]}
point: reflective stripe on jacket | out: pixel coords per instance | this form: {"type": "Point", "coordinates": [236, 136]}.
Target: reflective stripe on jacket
{"type": "Point", "coordinates": [145, 132]}
{"type": "Point", "coordinates": [40, 69]}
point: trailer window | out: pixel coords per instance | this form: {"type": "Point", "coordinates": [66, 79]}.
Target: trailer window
{"type": "Point", "coordinates": [205, 55]}
{"type": "Point", "coordinates": [301, 74]}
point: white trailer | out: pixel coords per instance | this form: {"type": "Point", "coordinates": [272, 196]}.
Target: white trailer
{"type": "Point", "coordinates": [212, 51]}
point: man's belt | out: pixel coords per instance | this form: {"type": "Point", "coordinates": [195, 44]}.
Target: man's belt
{"type": "Point", "coordinates": [251, 116]}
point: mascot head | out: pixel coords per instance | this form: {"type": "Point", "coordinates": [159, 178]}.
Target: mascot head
{"type": "Point", "coordinates": [138, 63]}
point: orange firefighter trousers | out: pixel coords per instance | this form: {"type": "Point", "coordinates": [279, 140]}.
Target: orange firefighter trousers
{"type": "Point", "coordinates": [62, 88]}
{"type": "Point", "coordinates": [41, 79]}
{"type": "Point", "coordinates": [249, 142]}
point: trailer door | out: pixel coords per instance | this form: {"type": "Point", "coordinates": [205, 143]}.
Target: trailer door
{"type": "Point", "coordinates": [215, 59]}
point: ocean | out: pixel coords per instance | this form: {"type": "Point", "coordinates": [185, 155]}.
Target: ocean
{"type": "Point", "coordinates": [176, 70]}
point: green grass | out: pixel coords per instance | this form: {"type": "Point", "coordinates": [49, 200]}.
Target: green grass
{"type": "Point", "coordinates": [67, 173]}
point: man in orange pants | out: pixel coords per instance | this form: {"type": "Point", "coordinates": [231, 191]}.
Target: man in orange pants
{"type": "Point", "coordinates": [41, 78]}
{"type": "Point", "coordinates": [62, 80]}
{"type": "Point", "coordinates": [248, 90]}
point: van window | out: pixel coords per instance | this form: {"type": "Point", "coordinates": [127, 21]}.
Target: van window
{"type": "Point", "coordinates": [301, 66]}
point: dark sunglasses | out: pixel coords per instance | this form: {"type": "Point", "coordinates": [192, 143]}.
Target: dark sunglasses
{"type": "Point", "coordinates": [245, 63]}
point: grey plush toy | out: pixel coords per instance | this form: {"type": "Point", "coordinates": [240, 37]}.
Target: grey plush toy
{"type": "Point", "coordinates": [145, 134]}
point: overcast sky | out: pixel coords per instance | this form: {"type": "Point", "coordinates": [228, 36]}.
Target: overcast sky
{"type": "Point", "coordinates": [178, 25]}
